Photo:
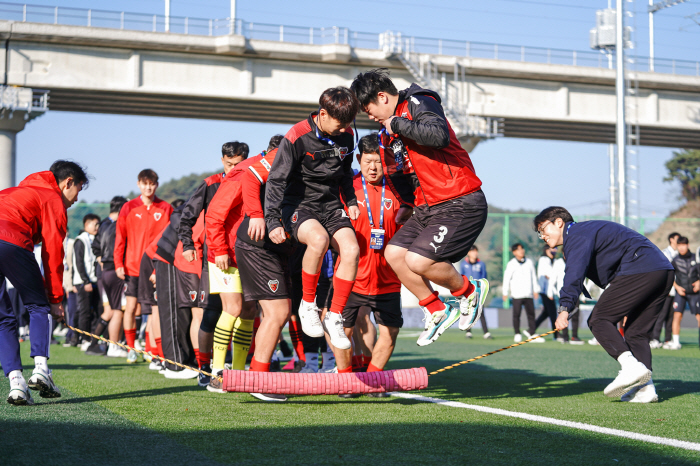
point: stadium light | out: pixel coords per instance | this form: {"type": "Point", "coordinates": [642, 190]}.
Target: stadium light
{"type": "Point", "coordinates": [653, 8]}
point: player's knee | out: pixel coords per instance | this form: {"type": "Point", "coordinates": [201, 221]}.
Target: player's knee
{"type": "Point", "coordinates": [350, 252]}
{"type": "Point", "coordinates": [394, 256]}
{"type": "Point", "coordinates": [417, 264]}
{"type": "Point", "coordinates": [318, 243]}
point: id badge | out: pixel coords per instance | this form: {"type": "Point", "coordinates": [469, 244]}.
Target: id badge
{"type": "Point", "coordinates": [376, 239]}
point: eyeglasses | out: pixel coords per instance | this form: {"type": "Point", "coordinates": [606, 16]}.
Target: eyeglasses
{"type": "Point", "coordinates": [540, 230]}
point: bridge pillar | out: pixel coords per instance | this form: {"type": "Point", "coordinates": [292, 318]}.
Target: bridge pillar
{"type": "Point", "coordinates": [9, 127]}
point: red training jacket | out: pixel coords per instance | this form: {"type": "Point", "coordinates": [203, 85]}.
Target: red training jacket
{"type": "Point", "coordinates": [34, 213]}
{"type": "Point", "coordinates": [137, 226]}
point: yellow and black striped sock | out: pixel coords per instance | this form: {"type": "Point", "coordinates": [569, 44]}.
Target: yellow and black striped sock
{"type": "Point", "coordinates": [242, 336]}
{"type": "Point", "coordinates": [222, 338]}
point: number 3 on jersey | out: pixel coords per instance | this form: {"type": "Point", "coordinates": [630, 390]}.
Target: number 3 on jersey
{"type": "Point", "coordinates": [441, 234]}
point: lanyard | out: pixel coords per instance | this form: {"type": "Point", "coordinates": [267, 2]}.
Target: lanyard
{"type": "Point", "coordinates": [379, 138]}
{"type": "Point", "coordinates": [381, 204]}
{"type": "Point", "coordinates": [322, 138]}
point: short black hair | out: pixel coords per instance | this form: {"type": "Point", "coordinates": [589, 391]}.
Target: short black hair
{"type": "Point", "coordinates": [369, 144]}
{"type": "Point", "coordinates": [340, 103]}
{"type": "Point", "coordinates": [474, 248]}
{"type": "Point", "coordinates": [64, 169]}
{"type": "Point", "coordinates": [682, 240]}
{"type": "Point", "coordinates": [551, 214]}
{"type": "Point", "coordinates": [89, 217]}
{"type": "Point", "coordinates": [516, 246]}
{"type": "Point", "coordinates": [673, 235]}
{"type": "Point", "coordinates": [367, 85]}
{"type": "Point", "coordinates": [116, 204]}
{"type": "Point", "coordinates": [235, 149]}
{"type": "Point", "coordinates": [177, 203]}
{"type": "Point", "coordinates": [148, 175]}
{"type": "Point", "coordinates": [275, 141]}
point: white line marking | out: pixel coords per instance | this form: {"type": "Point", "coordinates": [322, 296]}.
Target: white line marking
{"type": "Point", "coordinates": [548, 420]}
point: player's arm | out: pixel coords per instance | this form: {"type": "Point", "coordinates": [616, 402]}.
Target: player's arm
{"type": "Point", "coordinates": [579, 251]}
{"type": "Point", "coordinates": [428, 127]}
{"type": "Point", "coordinates": [190, 213]}
{"type": "Point", "coordinates": [252, 185]}
{"type": "Point", "coordinates": [225, 199]}
{"type": "Point", "coordinates": [120, 243]}
{"type": "Point", "coordinates": [281, 172]}
{"type": "Point", "coordinates": [79, 254]}
{"type": "Point", "coordinates": [97, 243]}
{"type": "Point", "coordinates": [53, 230]}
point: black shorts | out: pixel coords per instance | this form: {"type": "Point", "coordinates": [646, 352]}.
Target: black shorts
{"type": "Point", "coordinates": [333, 221]}
{"type": "Point", "coordinates": [444, 232]}
{"type": "Point", "coordinates": [147, 291]}
{"type": "Point", "coordinates": [131, 286]}
{"type": "Point", "coordinates": [386, 308]}
{"type": "Point", "coordinates": [264, 274]}
{"type": "Point", "coordinates": [693, 301]}
{"type": "Point", "coordinates": [187, 289]}
{"type": "Point", "coordinates": [206, 299]}
{"type": "Point", "coordinates": [114, 288]}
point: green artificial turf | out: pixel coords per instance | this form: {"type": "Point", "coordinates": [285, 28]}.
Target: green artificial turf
{"type": "Point", "coordinates": [114, 413]}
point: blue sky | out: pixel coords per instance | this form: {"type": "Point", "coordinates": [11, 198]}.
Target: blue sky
{"type": "Point", "coordinates": [517, 173]}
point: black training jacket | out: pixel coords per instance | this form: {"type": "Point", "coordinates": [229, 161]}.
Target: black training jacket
{"type": "Point", "coordinates": [103, 244]}
{"type": "Point", "coordinates": [310, 173]}
{"type": "Point", "coordinates": [198, 202]}
{"type": "Point", "coordinates": [686, 271]}
{"type": "Point", "coordinates": [167, 244]}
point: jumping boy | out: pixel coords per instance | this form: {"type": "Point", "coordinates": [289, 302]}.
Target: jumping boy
{"type": "Point", "coordinates": [34, 212]}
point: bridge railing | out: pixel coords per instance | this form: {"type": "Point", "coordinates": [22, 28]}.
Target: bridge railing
{"type": "Point", "coordinates": [324, 35]}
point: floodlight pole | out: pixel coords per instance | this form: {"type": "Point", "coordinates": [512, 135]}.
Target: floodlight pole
{"type": "Point", "coordinates": [167, 15]}
{"type": "Point", "coordinates": [620, 123]}
{"type": "Point", "coordinates": [651, 36]}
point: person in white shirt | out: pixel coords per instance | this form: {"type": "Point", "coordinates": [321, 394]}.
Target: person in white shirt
{"type": "Point", "coordinates": [556, 281]}
{"type": "Point", "coordinates": [520, 283]}
{"type": "Point", "coordinates": [545, 266]}
{"type": "Point", "coordinates": [665, 318]}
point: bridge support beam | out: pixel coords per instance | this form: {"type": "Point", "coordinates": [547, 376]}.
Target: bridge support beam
{"type": "Point", "coordinates": [9, 127]}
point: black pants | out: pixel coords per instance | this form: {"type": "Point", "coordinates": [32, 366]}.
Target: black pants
{"type": "Point", "coordinates": [665, 320]}
{"type": "Point", "coordinates": [529, 305]}
{"type": "Point", "coordinates": [174, 322]}
{"type": "Point", "coordinates": [640, 297]}
{"type": "Point", "coordinates": [549, 309]}
{"type": "Point", "coordinates": [574, 321]}
{"type": "Point", "coordinates": [89, 304]}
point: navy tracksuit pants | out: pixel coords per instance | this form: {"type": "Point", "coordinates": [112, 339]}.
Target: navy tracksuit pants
{"type": "Point", "coordinates": [20, 267]}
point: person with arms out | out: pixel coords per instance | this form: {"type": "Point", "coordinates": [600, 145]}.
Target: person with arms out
{"type": "Point", "coordinates": [312, 169]}
{"type": "Point", "coordinates": [474, 268]}
{"type": "Point", "coordinates": [34, 212]}
{"type": "Point", "coordinates": [140, 221]}
{"type": "Point", "coordinates": [638, 278]}
{"type": "Point", "coordinates": [520, 283]}
{"type": "Point", "coordinates": [687, 286]}
{"type": "Point", "coordinates": [427, 169]}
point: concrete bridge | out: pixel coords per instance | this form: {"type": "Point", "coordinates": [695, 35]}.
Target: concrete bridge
{"type": "Point", "coordinates": [263, 73]}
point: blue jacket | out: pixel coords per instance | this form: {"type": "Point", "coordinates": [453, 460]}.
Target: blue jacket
{"type": "Point", "coordinates": [601, 250]}
{"type": "Point", "coordinates": [476, 270]}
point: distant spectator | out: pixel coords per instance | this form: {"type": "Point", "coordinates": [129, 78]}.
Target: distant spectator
{"type": "Point", "coordinates": [520, 283]}
{"type": "Point", "coordinates": [665, 319]}
{"type": "Point", "coordinates": [687, 285]}
{"type": "Point", "coordinates": [556, 282]}
{"type": "Point", "coordinates": [474, 268]}
{"type": "Point", "coordinates": [85, 278]}
{"type": "Point", "coordinates": [544, 275]}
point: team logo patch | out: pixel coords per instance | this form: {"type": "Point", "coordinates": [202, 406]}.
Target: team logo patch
{"type": "Point", "coordinates": [155, 296]}
{"type": "Point", "coordinates": [157, 216]}
{"type": "Point", "coordinates": [193, 296]}
{"type": "Point", "coordinates": [202, 295]}
{"type": "Point", "coordinates": [274, 285]}
{"type": "Point", "coordinates": [342, 152]}
{"type": "Point", "coordinates": [404, 115]}
{"type": "Point", "coordinates": [265, 164]}
{"type": "Point", "coordinates": [388, 203]}
{"type": "Point", "coordinates": [343, 213]}
{"type": "Point", "coordinates": [295, 217]}
{"type": "Point", "coordinates": [227, 280]}
{"type": "Point", "coordinates": [675, 305]}
{"type": "Point", "coordinates": [126, 287]}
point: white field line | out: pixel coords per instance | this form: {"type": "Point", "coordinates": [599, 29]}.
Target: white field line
{"type": "Point", "coordinates": [558, 422]}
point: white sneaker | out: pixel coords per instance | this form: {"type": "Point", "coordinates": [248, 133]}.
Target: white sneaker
{"type": "Point", "coordinates": [132, 357]}
{"type": "Point", "coordinates": [642, 394]}
{"type": "Point", "coordinates": [269, 397]}
{"type": "Point", "coordinates": [84, 346]}
{"type": "Point", "coordinates": [526, 334]}
{"type": "Point", "coordinates": [487, 336]}
{"type": "Point", "coordinates": [593, 341]}
{"type": "Point", "coordinates": [154, 365]}
{"type": "Point", "coordinates": [215, 384]}
{"type": "Point", "coordinates": [333, 324]}
{"type": "Point", "coordinates": [183, 374]}
{"type": "Point", "coordinates": [653, 344]}
{"type": "Point", "coordinates": [42, 381]}
{"type": "Point", "coordinates": [538, 340]}
{"type": "Point", "coordinates": [310, 320]}
{"type": "Point", "coordinates": [19, 391]}
{"type": "Point", "coordinates": [672, 346]}
{"type": "Point", "coordinates": [138, 345]}
{"type": "Point", "coordinates": [309, 369]}
{"type": "Point", "coordinates": [329, 371]}
{"type": "Point", "coordinates": [437, 323]}
{"type": "Point", "coordinates": [328, 365]}
{"type": "Point", "coordinates": [115, 351]}
{"type": "Point", "coordinates": [471, 307]}
{"type": "Point", "coordinates": [518, 338]}
{"type": "Point", "coordinates": [633, 376]}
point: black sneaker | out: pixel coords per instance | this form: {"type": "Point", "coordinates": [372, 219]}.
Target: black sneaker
{"type": "Point", "coordinates": [275, 366]}
{"type": "Point", "coordinates": [298, 366]}
{"type": "Point", "coordinates": [378, 395]}
{"type": "Point", "coordinates": [350, 395]}
{"type": "Point", "coordinates": [203, 380]}
{"type": "Point", "coordinates": [96, 348]}
{"type": "Point", "coordinates": [285, 348]}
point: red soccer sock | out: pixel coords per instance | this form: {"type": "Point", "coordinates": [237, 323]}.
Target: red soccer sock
{"type": "Point", "coordinates": [309, 283]}
{"type": "Point", "coordinates": [257, 366]}
{"type": "Point", "coordinates": [347, 370]}
{"type": "Point", "coordinates": [366, 360]}
{"type": "Point", "coordinates": [196, 354]}
{"type": "Point", "coordinates": [204, 359]}
{"type": "Point", "coordinates": [356, 363]}
{"type": "Point", "coordinates": [341, 293]}
{"type": "Point", "coordinates": [130, 335]}
{"type": "Point", "coordinates": [159, 347]}
{"type": "Point", "coordinates": [466, 290]}
{"type": "Point", "coordinates": [373, 368]}
{"type": "Point", "coordinates": [432, 303]}
{"type": "Point", "coordinates": [294, 333]}
{"type": "Point", "coordinates": [256, 325]}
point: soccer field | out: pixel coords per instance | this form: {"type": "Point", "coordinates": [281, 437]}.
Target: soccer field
{"type": "Point", "coordinates": [114, 413]}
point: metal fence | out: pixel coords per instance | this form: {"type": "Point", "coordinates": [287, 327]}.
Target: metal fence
{"type": "Point", "coordinates": [324, 35]}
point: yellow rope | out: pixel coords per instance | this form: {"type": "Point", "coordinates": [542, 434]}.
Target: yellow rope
{"type": "Point", "coordinates": [143, 352]}
{"type": "Point", "coordinates": [489, 354]}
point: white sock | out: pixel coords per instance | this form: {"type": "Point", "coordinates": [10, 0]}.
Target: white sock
{"type": "Point", "coordinates": [328, 358]}
{"type": "Point", "coordinates": [40, 362]}
{"type": "Point", "coordinates": [676, 339]}
{"type": "Point", "coordinates": [626, 359]}
{"type": "Point", "coordinates": [312, 360]}
{"type": "Point", "coordinates": [15, 377]}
